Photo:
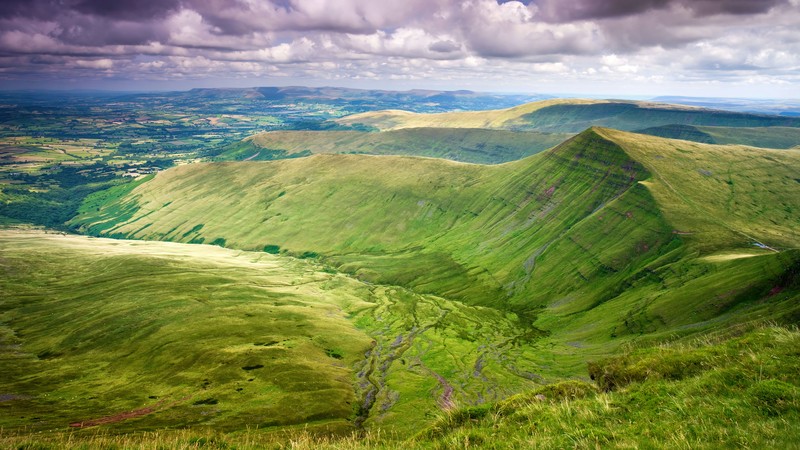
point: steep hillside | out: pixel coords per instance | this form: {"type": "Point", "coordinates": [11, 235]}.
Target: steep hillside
{"type": "Point", "coordinates": [368, 294]}
{"type": "Point", "coordinates": [458, 144]}
{"type": "Point", "coordinates": [612, 233]}
{"type": "Point", "coordinates": [572, 116]}
{"type": "Point", "coordinates": [765, 137]}
{"type": "Point", "coordinates": [498, 118]}
{"type": "Point", "coordinates": [135, 336]}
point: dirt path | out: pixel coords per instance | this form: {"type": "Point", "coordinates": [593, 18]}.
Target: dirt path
{"type": "Point", "coordinates": [254, 156]}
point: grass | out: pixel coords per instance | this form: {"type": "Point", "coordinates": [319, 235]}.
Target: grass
{"type": "Point", "coordinates": [402, 294]}
{"type": "Point", "coordinates": [95, 328]}
{"type": "Point", "coordinates": [737, 387]}
{"type": "Point", "coordinates": [133, 336]}
{"type": "Point", "coordinates": [741, 392]}
{"type": "Point", "coordinates": [765, 137]}
{"type": "Point", "coordinates": [571, 116]}
{"type": "Point", "coordinates": [500, 118]}
{"type": "Point", "coordinates": [474, 145]}
{"type": "Point", "coordinates": [569, 230]}
{"type": "Point", "coordinates": [609, 238]}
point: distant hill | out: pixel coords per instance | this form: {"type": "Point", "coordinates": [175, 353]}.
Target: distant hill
{"type": "Point", "coordinates": [781, 107]}
{"type": "Point", "coordinates": [352, 99]}
{"type": "Point", "coordinates": [572, 116]}
{"type": "Point", "coordinates": [474, 145]}
{"type": "Point", "coordinates": [765, 137]}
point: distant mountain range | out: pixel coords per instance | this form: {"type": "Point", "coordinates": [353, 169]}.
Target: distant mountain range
{"type": "Point", "coordinates": [782, 107]}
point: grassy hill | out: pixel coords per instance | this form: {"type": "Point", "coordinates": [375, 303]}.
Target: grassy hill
{"type": "Point", "coordinates": [573, 230]}
{"type": "Point", "coordinates": [682, 394]}
{"type": "Point", "coordinates": [766, 137]}
{"type": "Point", "coordinates": [458, 144]}
{"type": "Point", "coordinates": [571, 116]}
{"type": "Point", "coordinates": [389, 294]}
{"type": "Point", "coordinates": [135, 336]}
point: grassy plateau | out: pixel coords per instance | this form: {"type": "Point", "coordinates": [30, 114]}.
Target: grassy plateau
{"type": "Point", "coordinates": [571, 116]}
{"type": "Point", "coordinates": [476, 145]}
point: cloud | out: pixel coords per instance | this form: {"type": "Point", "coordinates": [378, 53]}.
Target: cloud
{"type": "Point", "coordinates": [556, 10]}
{"type": "Point", "coordinates": [481, 41]}
{"type": "Point", "coordinates": [127, 9]}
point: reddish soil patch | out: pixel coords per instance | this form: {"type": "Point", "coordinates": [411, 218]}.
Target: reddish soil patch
{"type": "Point", "coordinates": [119, 417]}
{"type": "Point", "coordinates": [445, 400]}
{"type": "Point", "coordinates": [775, 291]}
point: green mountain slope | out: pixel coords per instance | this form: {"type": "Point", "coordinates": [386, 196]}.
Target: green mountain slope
{"type": "Point", "coordinates": [474, 145]}
{"type": "Point", "coordinates": [417, 286]}
{"type": "Point", "coordinates": [610, 233]}
{"type": "Point", "coordinates": [571, 116]}
{"type": "Point", "coordinates": [766, 137]}
{"type": "Point", "coordinates": [679, 395]}
{"type": "Point", "coordinates": [139, 336]}
{"type": "Point", "coordinates": [93, 329]}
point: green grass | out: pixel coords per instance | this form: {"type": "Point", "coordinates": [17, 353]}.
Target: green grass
{"type": "Point", "coordinates": [741, 392]}
{"type": "Point", "coordinates": [738, 387]}
{"type": "Point", "coordinates": [215, 338]}
{"type": "Point", "coordinates": [568, 230]}
{"type": "Point", "coordinates": [606, 239]}
{"type": "Point", "coordinates": [765, 137]}
{"type": "Point", "coordinates": [474, 145]}
{"type": "Point", "coordinates": [571, 116]}
{"type": "Point", "coordinates": [92, 328]}
{"type": "Point", "coordinates": [414, 293]}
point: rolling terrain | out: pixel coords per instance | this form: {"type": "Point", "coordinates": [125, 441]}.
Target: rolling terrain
{"type": "Point", "coordinates": [476, 145]}
{"type": "Point", "coordinates": [145, 335]}
{"type": "Point", "coordinates": [393, 294]}
{"type": "Point", "coordinates": [765, 137]}
{"type": "Point", "coordinates": [626, 224]}
{"type": "Point", "coordinates": [570, 116]}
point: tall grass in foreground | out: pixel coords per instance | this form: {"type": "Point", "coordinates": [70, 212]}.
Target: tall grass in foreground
{"type": "Point", "coordinates": [739, 389]}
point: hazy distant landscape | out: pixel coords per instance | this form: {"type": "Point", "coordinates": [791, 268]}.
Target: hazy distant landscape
{"type": "Point", "coordinates": [308, 225]}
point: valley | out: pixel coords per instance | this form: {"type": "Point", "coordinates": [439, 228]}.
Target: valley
{"type": "Point", "coordinates": [418, 279]}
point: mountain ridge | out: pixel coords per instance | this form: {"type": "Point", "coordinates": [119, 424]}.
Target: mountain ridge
{"type": "Point", "coordinates": [582, 225]}
{"type": "Point", "coordinates": [571, 115]}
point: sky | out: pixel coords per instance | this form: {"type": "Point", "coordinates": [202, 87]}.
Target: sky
{"type": "Point", "coordinates": [723, 48]}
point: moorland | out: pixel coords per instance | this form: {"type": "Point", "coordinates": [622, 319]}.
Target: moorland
{"type": "Point", "coordinates": [314, 268]}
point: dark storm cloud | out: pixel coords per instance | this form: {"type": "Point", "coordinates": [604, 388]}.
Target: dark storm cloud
{"type": "Point", "coordinates": [31, 8]}
{"type": "Point", "coordinates": [559, 10]}
{"type": "Point", "coordinates": [112, 9]}
{"type": "Point", "coordinates": [126, 9]}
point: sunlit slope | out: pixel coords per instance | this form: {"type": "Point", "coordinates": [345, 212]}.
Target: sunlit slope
{"type": "Point", "coordinates": [608, 231]}
{"type": "Point", "coordinates": [465, 230]}
{"type": "Point", "coordinates": [200, 336]}
{"type": "Point", "coordinates": [765, 137]}
{"type": "Point", "coordinates": [95, 328]}
{"type": "Point", "coordinates": [571, 116]}
{"type": "Point", "coordinates": [720, 195]}
{"type": "Point", "coordinates": [499, 118]}
{"type": "Point", "coordinates": [475, 145]}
